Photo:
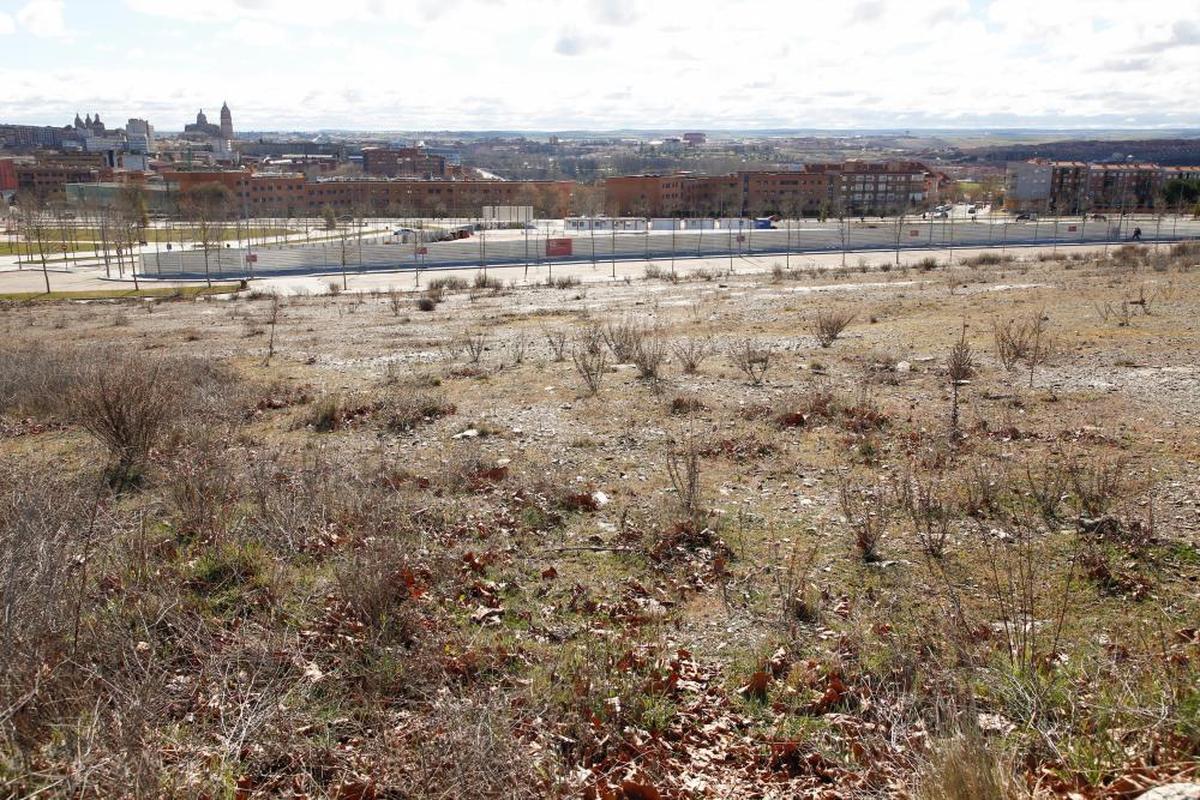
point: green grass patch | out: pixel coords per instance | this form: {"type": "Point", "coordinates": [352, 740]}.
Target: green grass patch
{"type": "Point", "coordinates": [53, 249]}
{"type": "Point", "coordinates": [165, 292]}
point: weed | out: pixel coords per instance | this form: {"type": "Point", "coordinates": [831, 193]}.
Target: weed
{"type": "Point", "coordinates": [752, 359]}
{"type": "Point", "coordinates": [827, 325]}
{"type": "Point", "coordinates": [691, 352]}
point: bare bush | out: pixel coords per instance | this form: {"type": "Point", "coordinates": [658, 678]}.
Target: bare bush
{"type": "Point", "coordinates": [649, 356]}
{"type": "Point", "coordinates": [691, 352]}
{"type": "Point", "coordinates": [520, 343]}
{"type": "Point", "coordinates": [201, 488]}
{"type": "Point", "coordinates": [35, 379]}
{"type": "Point", "coordinates": [590, 362]}
{"type": "Point", "coordinates": [867, 510]}
{"type": "Point", "coordinates": [473, 344]}
{"type": "Point", "coordinates": [556, 340]}
{"type": "Point", "coordinates": [751, 358]}
{"type": "Point", "coordinates": [799, 601]}
{"type": "Point", "coordinates": [42, 522]}
{"type": "Point", "coordinates": [410, 404]}
{"type": "Point", "coordinates": [485, 281]}
{"type": "Point", "coordinates": [127, 403]}
{"type": "Point", "coordinates": [1095, 485]}
{"type": "Point", "coordinates": [395, 301]}
{"type": "Point", "coordinates": [827, 325]}
{"type": "Point", "coordinates": [932, 510]}
{"type": "Point", "coordinates": [683, 470]}
{"type": "Point", "coordinates": [447, 283]}
{"type": "Point", "coordinates": [1026, 341]}
{"type": "Point", "coordinates": [623, 338]}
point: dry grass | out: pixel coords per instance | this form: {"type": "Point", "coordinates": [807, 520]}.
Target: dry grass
{"type": "Point", "coordinates": [359, 568]}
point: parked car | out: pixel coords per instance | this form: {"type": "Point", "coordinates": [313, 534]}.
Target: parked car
{"type": "Point", "coordinates": [1025, 216]}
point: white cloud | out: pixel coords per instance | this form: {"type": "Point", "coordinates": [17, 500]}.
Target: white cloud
{"type": "Point", "coordinates": [43, 18]}
{"type": "Point", "coordinates": [437, 64]}
{"type": "Point", "coordinates": [6, 24]}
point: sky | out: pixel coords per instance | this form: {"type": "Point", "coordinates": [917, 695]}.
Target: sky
{"type": "Point", "coordinates": [427, 65]}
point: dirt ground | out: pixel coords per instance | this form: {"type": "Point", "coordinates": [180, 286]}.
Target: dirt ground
{"type": "Point", "coordinates": [650, 631]}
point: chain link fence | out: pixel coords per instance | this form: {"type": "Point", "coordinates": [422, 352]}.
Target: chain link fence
{"type": "Point", "coordinates": [543, 246]}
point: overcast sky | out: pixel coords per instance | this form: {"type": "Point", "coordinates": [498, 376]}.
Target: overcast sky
{"type": "Point", "coordinates": [604, 64]}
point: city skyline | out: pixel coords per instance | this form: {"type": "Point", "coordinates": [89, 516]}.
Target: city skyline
{"type": "Point", "coordinates": [604, 64]}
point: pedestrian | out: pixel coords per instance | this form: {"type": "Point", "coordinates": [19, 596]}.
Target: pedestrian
{"type": "Point", "coordinates": [1137, 234]}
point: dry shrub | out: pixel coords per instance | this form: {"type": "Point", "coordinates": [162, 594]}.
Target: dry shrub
{"type": "Point", "coordinates": [556, 340]}
{"type": "Point", "coordinates": [1096, 485]}
{"type": "Point", "coordinates": [691, 352]}
{"type": "Point", "coordinates": [464, 746]}
{"type": "Point", "coordinates": [34, 378]}
{"type": "Point", "coordinates": [867, 509]}
{"type": "Point", "coordinates": [683, 470]}
{"type": "Point", "coordinates": [485, 281]}
{"type": "Point", "coordinates": [649, 355]}
{"type": "Point", "coordinates": [987, 259]}
{"type": "Point", "coordinates": [685, 404]}
{"type": "Point", "coordinates": [932, 508]}
{"type": "Point", "coordinates": [473, 344]}
{"type": "Point", "coordinates": [427, 302]}
{"type": "Point", "coordinates": [201, 488]}
{"type": "Point", "coordinates": [44, 520]}
{"type": "Point", "coordinates": [127, 403]}
{"type": "Point", "coordinates": [624, 337]}
{"type": "Point", "coordinates": [752, 359]}
{"type": "Point", "coordinates": [379, 584]}
{"type": "Point", "coordinates": [591, 363]}
{"type": "Point", "coordinates": [827, 325]}
{"type": "Point", "coordinates": [408, 405]}
{"type": "Point", "coordinates": [520, 343]}
{"type": "Point", "coordinates": [447, 283]}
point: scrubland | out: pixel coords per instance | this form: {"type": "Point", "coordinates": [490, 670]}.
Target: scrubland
{"type": "Point", "coordinates": [927, 532]}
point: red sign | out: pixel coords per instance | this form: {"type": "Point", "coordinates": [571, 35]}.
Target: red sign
{"type": "Point", "coordinates": [741, 238]}
{"type": "Point", "coordinates": [558, 247]}
{"type": "Point", "coordinates": [914, 233]}
{"type": "Point", "coordinates": [252, 258]}
{"type": "Point", "coordinates": [422, 251]}
{"type": "Point", "coordinates": [1072, 228]}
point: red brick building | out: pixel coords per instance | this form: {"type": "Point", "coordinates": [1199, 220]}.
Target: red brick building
{"type": "Point", "coordinates": [465, 198]}
{"type": "Point", "coordinates": [402, 162]}
{"type": "Point", "coordinates": [852, 187]}
{"type": "Point", "coordinates": [8, 175]}
{"type": "Point", "coordinates": [251, 194]}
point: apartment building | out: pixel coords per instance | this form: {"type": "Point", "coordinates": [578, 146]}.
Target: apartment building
{"type": "Point", "coordinates": [407, 162]}
{"type": "Point", "coordinates": [265, 194]}
{"type": "Point", "coordinates": [850, 187]}
{"type": "Point", "coordinates": [405, 196]}
{"type": "Point", "coordinates": [48, 178]}
{"type": "Point", "coordinates": [1075, 187]}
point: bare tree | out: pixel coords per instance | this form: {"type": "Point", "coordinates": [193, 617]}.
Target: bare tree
{"type": "Point", "coordinates": [207, 206]}
{"type": "Point", "coordinates": [35, 227]}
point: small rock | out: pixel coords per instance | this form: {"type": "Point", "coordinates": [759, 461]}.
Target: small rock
{"type": "Point", "coordinates": [903, 366]}
{"type": "Point", "coordinates": [469, 433]}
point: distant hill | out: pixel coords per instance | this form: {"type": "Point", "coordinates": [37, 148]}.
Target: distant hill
{"type": "Point", "coordinates": [1168, 152]}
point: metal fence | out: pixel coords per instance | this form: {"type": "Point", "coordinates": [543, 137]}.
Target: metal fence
{"type": "Point", "coordinates": [532, 247]}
